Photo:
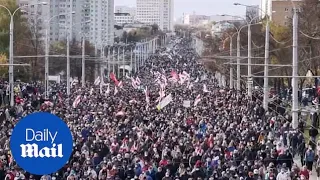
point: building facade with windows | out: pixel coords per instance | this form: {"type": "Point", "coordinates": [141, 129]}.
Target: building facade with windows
{"type": "Point", "coordinates": [283, 11]}
{"type": "Point", "coordinates": [194, 19]}
{"type": "Point", "coordinates": [123, 18]}
{"type": "Point", "coordinates": [93, 19]}
{"type": "Point", "coordinates": [37, 15]}
{"type": "Point", "coordinates": [125, 9]}
{"type": "Point", "coordinates": [158, 12]}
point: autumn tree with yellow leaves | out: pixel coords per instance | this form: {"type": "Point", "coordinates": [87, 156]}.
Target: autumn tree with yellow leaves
{"type": "Point", "coordinates": [3, 69]}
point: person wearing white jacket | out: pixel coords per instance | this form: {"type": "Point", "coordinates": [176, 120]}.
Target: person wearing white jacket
{"type": "Point", "coordinates": [283, 175]}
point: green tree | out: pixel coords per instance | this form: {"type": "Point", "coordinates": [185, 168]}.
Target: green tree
{"type": "Point", "coordinates": [58, 65]}
{"type": "Point", "coordinates": [26, 41]}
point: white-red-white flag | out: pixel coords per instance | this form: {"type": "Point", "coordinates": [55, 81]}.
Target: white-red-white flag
{"type": "Point", "coordinates": [138, 82]}
{"type": "Point", "coordinates": [76, 101]}
{"type": "Point", "coordinates": [205, 89]}
{"type": "Point", "coordinates": [197, 100]}
{"type": "Point", "coordinates": [97, 81]}
{"type": "Point", "coordinates": [120, 113]}
{"type": "Point", "coordinates": [115, 90]}
{"type": "Point", "coordinates": [146, 92]}
{"type": "Point", "coordinates": [108, 90]}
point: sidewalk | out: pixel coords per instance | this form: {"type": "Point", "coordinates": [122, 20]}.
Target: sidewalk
{"type": "Point", "coordinates": [313, 176]}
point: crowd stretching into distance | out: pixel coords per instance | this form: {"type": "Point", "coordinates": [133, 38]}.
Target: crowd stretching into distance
{"type": "Point", "coordinates": [169, 121]}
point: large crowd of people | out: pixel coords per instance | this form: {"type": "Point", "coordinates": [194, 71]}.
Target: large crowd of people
{"type": "Point", "coordinates": [171, 120]}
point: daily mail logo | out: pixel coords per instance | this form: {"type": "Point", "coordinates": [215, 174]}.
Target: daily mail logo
{"type": "Point", "coordinates": [33, 150]}
{"type": "Point", "coordinates": [41, 143]}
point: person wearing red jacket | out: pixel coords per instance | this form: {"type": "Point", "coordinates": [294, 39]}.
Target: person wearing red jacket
{"type": "Point", "coordinates": [305, 172]}
{"type": "Point", "coordinates": [10, 176]}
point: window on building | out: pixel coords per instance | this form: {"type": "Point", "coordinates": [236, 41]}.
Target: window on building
{"type": "Point", "coordinates": [286, 9]}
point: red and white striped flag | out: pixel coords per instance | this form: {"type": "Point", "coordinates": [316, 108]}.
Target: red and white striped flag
{"type": "Point", "coordinates": [97, 81]}
{"type": "Point", "coordinates": [134, 83]}
{"type": "Point", "coordinates": [120, 113]}
{"type": "Point", "coordinates": [48, 103]}
{"type": "Point", "coordinates": [134, 147]}
{"type": "Point", "coordinates": [115, 90]}
{"type": "Point", "coordinates": [120, 84]}
{"type": "Point", "coordinates": [138, 82]}
{"type": "Point", "coordinates": [108, 90]}
{"type": "Point", "coordinates": [76, 101]}
{"type": "Point", "coordinates": [197, 100]}
{"type": "Point", "coordinates": [174, 76]}
{"type": "Point", "coordinates": [114, 79]}
{"type": "Point", "coordinates": [146, 92]}
{"type": "Point", "coordinates": [162, 92]}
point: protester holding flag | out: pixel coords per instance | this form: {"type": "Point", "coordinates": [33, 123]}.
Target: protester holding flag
{"type": "Point", "coordinates": [171, 120]}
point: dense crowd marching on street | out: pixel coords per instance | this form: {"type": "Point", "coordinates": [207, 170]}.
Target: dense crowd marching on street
{"type": "Point", "coordinates": [169, 121]}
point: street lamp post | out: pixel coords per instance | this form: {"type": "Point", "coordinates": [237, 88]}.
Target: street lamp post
{"type": "Point", "coordinates": [238, 62]}
{"type": "Point", "coordinates": [135, 59]}
{"type": "Point", "coordinates": [68, 65]}
{"type": "Point", "coordinates": [113, 61]}
{"type": "Point", "coordinates": [118, 61]}
{"type": "Point", "coordinates": [131, 56]}
{"type": "Point", "coordinates": [11, 78]}
{"type": "Point", "coordinates": [109, 59]}
{"type": "Point", "coordinates": [249, 62]}
{"type": "Point", "coordinates": [83, 64]}
{"type": "Point", "coordinates": [123, 61]}
{"type": "Point", "coordinates": [139, 56]}
{"type": "Point", "coordinates": [266, 60]}
{"type": "Point", "coordinates": [266, 69]}
{"type": "Point", "coordinates": [46, 76]}
{"type": "Point", "coordinates": [101, 68]}
{"type": "Point", "coordinates": [144, 53]}
{"type": "Point", "coordinates": [295, 101]}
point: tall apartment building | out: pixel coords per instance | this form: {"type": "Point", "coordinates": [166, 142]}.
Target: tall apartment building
{"type": "Point", "coordinates": [158, 12]}
{"type": "Point", "coordinates": [102, 22]}
{"type": "Point", "coordinates": [37, 15]}
{"type": "Point", "coordinates": [283, 11]}
{"type": "Point", "coordinates": [125, 9]}
{"type": "Point", "coordinates": [100, 29]}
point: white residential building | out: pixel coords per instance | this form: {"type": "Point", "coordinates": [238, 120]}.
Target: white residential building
{"type": "Point", "coordinates": [218, 18]}
{"type": "Point", "coordinates": [102, 22]}
{"type": "Point", "coordinates": [158, 12]}
{"type": "Point", "coordinates": [100, 29]}
{"type": "Point", "coordinates": [37, 15]}
{"type": "Point", "coordinates": [194, 19]}
{"type": "Point", "coordinates": [220, 27]}
{"type": "Point", "coordinates": [123, 18]}
{"type": "Point", "coordinates": [125, 9]}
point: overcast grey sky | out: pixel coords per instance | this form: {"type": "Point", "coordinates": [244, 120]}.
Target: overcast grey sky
{"type": "Point", "coordinates": [204, 7]}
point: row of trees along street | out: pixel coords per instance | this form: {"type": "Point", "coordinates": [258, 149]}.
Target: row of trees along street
{"type": "Point", "coordinates": [280, 47]}
{"type": "Point", "coordinates": [141, 33]}
{"type": "Point", "coordinates": [28, 41]}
